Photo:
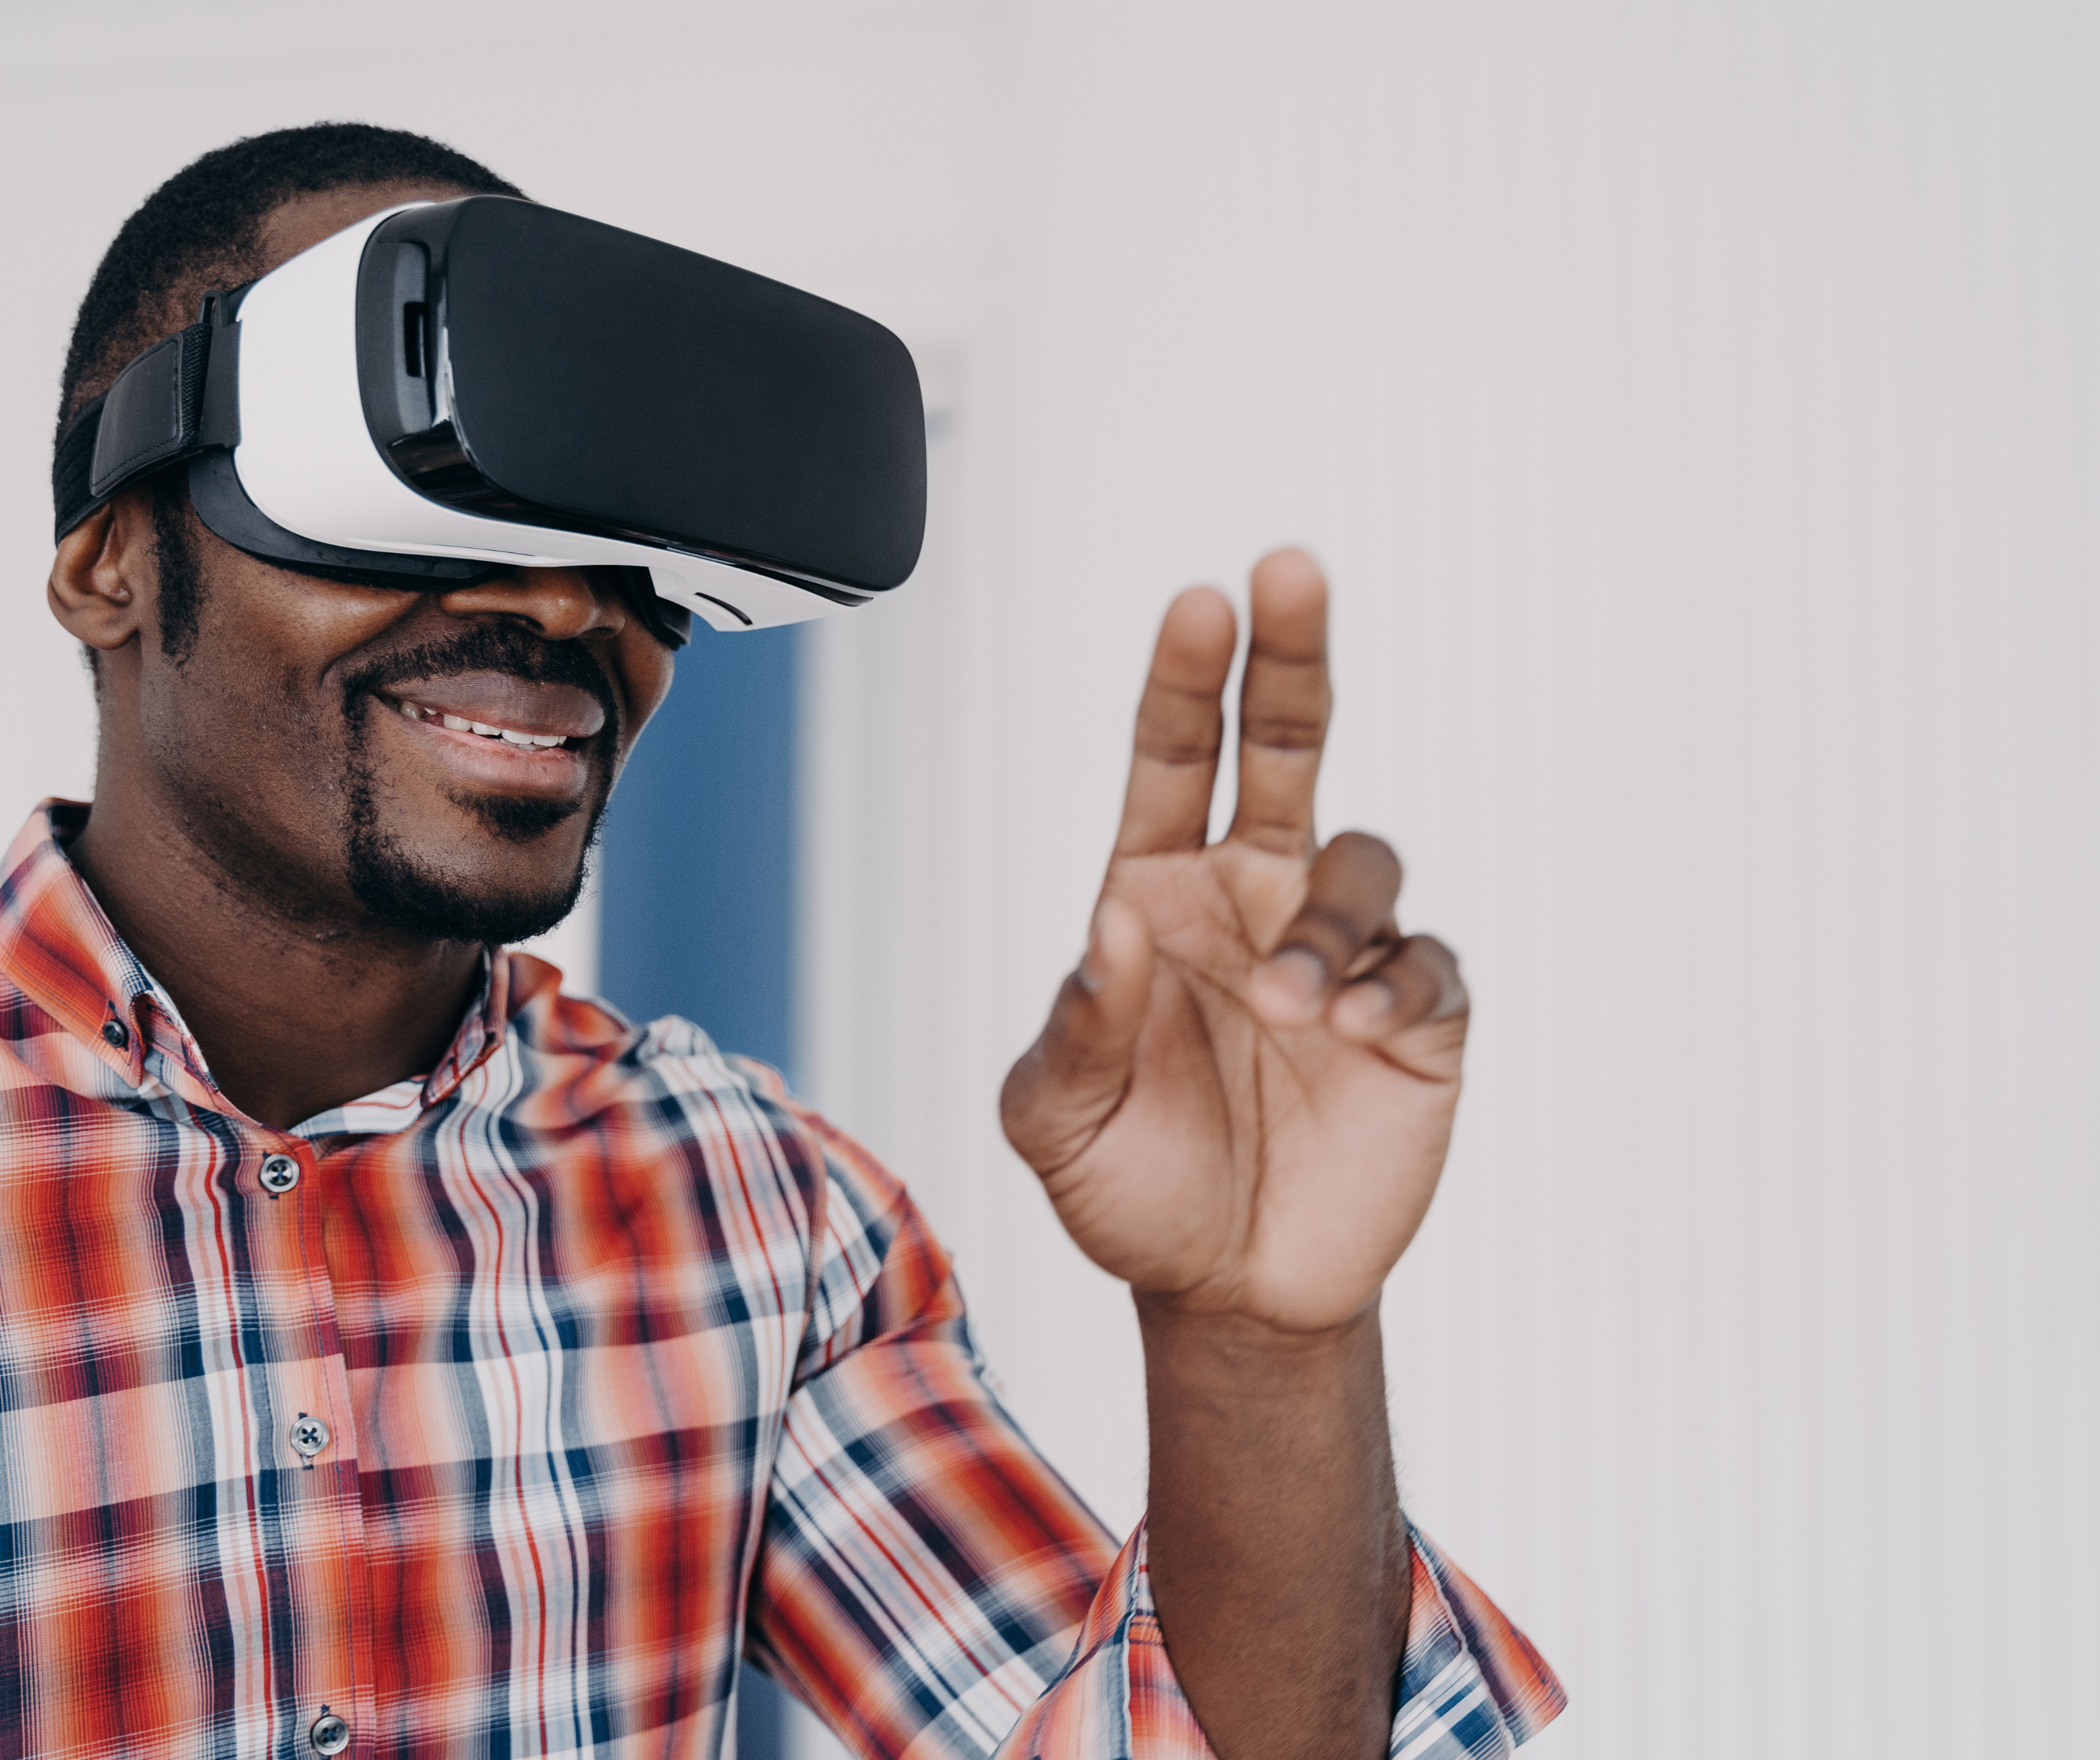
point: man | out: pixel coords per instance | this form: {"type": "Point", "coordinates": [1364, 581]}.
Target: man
{"type": "Point", "coordinates": [397, 1355]}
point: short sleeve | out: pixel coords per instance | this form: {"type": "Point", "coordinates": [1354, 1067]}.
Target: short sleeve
{"type": "Point", "coordinates": [1471, 1686]}
{"type": "Point", "coordinates": [923, 1571]}
{"type": "Point", "coordinates": [931, 1589]}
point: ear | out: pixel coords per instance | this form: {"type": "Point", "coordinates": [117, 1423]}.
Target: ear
{"type": "Point", "coordinates": [105, 571]}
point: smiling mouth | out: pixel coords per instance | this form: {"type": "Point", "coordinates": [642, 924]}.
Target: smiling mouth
{"type": "Point", "coordinates": [487, 730]}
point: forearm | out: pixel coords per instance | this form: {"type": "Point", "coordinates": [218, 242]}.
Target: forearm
{"type": "Point", "coordinates": [1278, 1556]}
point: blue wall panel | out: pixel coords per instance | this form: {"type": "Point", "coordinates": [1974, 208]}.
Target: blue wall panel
{"type": "Point", "coordinates": [698, 862]}
{"type": "Point", "coordinates": [698, 851]}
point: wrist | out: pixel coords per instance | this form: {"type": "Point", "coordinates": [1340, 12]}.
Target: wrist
{"type": "Point", "coordinates": [1245, 1355]}
{"type": "Point", "coordinates": [1278, 1552]}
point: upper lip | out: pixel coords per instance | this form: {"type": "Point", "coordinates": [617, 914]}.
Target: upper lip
{"type": "Point", "coordinates": [504, 701]}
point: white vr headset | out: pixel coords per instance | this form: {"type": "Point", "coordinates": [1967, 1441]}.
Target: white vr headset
{"type": "Point", "coordinates": [449, 388]}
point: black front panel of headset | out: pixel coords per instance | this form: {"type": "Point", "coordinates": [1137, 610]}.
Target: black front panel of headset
{"type": "Point", "coordinates": [569, 373]}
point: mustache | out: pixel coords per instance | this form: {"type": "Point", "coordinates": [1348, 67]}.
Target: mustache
{"type": "Point", "coordinates": [504, 647]}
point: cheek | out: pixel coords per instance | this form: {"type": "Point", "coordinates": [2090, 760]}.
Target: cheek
{"type": "Point", "coordinates": [252, 709]}
{"type": "Point", "coordinates": [647, 667]}
{"type": "Point", "coordinates": [238, 723]}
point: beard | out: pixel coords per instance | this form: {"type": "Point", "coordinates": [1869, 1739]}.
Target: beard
{"type": "Point", "coordinates": [391, 883]}
{"type": "Point", "coordinates": [409, 894]}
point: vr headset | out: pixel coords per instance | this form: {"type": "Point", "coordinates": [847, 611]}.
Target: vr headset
{"type": "Point", "coordinates": [450, 388]}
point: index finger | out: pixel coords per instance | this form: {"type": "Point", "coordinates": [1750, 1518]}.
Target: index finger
{"type": "Point", "coordinates": [1180, 725]}
{"type": "Point", "coordinates": [1285, 699]}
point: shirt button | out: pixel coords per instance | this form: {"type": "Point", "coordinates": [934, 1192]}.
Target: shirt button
{"type": "Point", "coordinates": [116, 1033]}
{"type": "Point", "coordinates": [280, 1173]}
{"type": "Point", "coordinates": [330, 1735]}
{"type": "Point", "coordinates": [310, 1435]}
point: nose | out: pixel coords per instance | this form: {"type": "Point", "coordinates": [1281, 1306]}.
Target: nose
{"type": "Point", "coordinates": [558, 604]}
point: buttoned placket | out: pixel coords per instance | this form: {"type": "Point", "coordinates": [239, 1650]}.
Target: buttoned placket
{"type": "Point", "coordinates": [316, 1429]}
{"type": "Point", "coordinates": [312, 1419]}
{"type": "Point", "coordinates": [307, 1391]}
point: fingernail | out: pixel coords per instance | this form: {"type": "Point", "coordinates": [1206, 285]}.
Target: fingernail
{"type": "Point", "coordinates": [1364, 1006]}
{"type": "Point", "coordinates": [1088, 971]}
{"type": "Point", "coordinates": [1454, 1001]}
{"type": "Point", "coordinates": [1294, 980]}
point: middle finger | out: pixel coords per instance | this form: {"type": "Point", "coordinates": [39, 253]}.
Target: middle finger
{"type": "Point", "coordinates": [1284, 702]}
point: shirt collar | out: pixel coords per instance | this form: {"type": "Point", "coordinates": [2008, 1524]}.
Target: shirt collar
{"type": "Point", "coordinates": [65, 956]}
{"type": "Point", "coordinates": [479, 1033]}
{"type": "Point", "coordinates": [60, 950]}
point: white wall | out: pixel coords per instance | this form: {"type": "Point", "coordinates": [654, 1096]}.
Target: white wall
{"type": "Point", "coordinates": [1693, 404]}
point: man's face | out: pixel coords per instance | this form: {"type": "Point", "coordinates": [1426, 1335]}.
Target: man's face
{"type": "Point", "coordinates": [434, 761]}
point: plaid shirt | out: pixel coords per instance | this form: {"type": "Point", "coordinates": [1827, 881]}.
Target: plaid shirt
{"type": "Point", "coordinates": [536, 1391]}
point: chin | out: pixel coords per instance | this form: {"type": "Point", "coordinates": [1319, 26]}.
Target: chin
{"type": "Point", "coordinates": [501, 902]}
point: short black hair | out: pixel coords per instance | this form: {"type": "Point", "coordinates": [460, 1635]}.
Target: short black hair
{"type": "Point", "coordinates": [202, 229]}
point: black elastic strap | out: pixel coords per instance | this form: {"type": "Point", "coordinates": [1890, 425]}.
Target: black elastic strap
{"type": "Point", "coordinates": [174, 401]}
{"type": "Point", "coordinates": [73, 467]}
{"type": "Point", "coordinates": [150, 415]}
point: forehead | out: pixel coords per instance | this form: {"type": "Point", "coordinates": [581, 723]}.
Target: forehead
{"type": "Point", "coordinates": [304, 220]}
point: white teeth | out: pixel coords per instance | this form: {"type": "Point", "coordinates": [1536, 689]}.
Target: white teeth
{"type": "Point", "coordinates": [461, 724]}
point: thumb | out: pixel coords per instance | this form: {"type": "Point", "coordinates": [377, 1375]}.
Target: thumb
{"type": "Point", "coordinates": [1068, 1084]}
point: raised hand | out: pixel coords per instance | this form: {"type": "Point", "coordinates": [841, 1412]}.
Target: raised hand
{"type": "Point", "coordinates": [1242, 1100]}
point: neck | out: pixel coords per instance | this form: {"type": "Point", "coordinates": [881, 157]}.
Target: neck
{"type": "Point", "coordinates": [298, 1003]}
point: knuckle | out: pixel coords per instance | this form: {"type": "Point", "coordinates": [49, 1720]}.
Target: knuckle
{"type": "Point", "coordinates": [1326, 927]}
{"type": "Point", "coordinates": [1175, 754]}
{"type": "Point", "coordinates": [1277, 837]}
{"type": "Point", "coordinates": [1183, 731]}
{"type": "Point", "coordinates": [1276, 822]}
{"type": "Point", "coordinates": [1284, 731]}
